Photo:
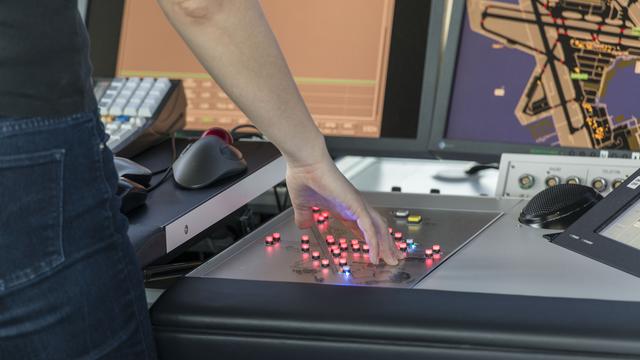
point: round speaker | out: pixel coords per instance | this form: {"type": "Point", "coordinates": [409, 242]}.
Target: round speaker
{"type": "Point", "coordinates": [559, 206]}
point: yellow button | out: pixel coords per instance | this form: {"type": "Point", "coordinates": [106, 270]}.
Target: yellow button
{"type": "Point", "coordinates": [414, 219]}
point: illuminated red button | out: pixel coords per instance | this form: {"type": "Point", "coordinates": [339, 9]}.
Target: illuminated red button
{"type": "Point", "coordinates": [321, 219]}
{"type": "Point", "coordinates": [324, 262]}
{"type": "Point", "coordinates": [329, 237]}
{"type": "Point", "coordinates": [390, 230]}
{"type": "Point", "coordinates": [335, 247]}
{"type": "Point", "coordinates": [365, 248]}
{"type": "Point", "coordinates": [436, 249]}
{"type": "Point", "coordinates": [342, 240]}
{"type": "Point", "coordinates": [315, 209]}
{"type": "Point", "coordinates": [276, 237]}
{"type": "Point", "coordinates": [343, 262]}
{"type": "Point", "coordinates": [268, 240]}
{"type": "Point", "coordinates": [315, 255]}
{"type": "Point", "coordinates": [354, 241]}
{"type": "Point", "coordinates": [397, 236]}
{"type": "Point", "coordinates": [428, 253]}
{"type": "Point", "coordinates": [403, 247]}
{"type": "Point", "coordinates": [304, 239]}
{"type": "Point", "coordinates": [336, 252]}
{"type": "Point", "coordinates": [325, 214]}
{"type": "Point", "coordinates": [356, 247]}
{"type": "Point", "coordinates": [304, 247]}
{"type": "Point", "coordinates": [331, 242]}
{"type": "Point", "coordinates": [344, 247]}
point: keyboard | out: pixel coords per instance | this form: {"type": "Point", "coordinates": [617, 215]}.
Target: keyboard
{"type": "Point", "coordinates": [139, 112]}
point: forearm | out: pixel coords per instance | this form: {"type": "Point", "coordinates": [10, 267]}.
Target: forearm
{"type": "Point", "coordinates": [234, 42]}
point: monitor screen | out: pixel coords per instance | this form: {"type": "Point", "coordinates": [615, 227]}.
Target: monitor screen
{"type": "Point", "coordinates": [359, 64]}
{"type": "Point", "coordinates": [557, 77]}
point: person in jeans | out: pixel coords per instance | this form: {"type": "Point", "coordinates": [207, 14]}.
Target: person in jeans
{"type": "Point", "coordinates": [70, 285]}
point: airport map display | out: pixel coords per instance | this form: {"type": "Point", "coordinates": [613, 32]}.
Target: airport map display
{"type": "Point", "coordinates": [549, 72]}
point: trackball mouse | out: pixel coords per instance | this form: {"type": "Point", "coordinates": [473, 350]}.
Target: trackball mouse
{"type": "Point", "coordinates": [206, 161]}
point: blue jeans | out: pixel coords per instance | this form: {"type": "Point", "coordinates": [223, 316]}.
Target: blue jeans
{"type": "Point", "coordinates": [70, 285]}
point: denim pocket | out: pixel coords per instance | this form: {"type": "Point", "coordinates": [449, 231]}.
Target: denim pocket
{"type": "Point", "coordinates": [31, 196]}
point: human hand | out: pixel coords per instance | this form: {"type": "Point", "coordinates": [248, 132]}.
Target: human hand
{"type": "Point", "coordinates": [322, 184]}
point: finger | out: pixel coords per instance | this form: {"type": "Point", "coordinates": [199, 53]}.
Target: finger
{"type": "Point", "coordinates": [387, 246]}
{"type": "Point", "coordinates": [368, 229]}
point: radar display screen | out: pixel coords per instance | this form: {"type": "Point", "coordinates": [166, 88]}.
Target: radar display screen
{"type": "Point", "coordinates": [552, 73]}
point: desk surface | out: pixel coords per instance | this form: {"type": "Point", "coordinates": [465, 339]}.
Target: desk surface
{"type": "Point", "coordinates": [169, 204]}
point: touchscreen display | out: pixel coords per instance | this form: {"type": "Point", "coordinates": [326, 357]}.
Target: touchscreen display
{"type": "Point", "coordinates": [625, 228]}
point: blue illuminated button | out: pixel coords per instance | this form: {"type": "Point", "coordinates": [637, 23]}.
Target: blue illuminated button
{"type": "Point", "coordinates": [346, 269]}
{"type": "Point", "coordinates": [122, 118]}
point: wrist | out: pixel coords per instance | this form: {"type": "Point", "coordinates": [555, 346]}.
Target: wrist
{"type": "Point", "coordinates": [310, 152]}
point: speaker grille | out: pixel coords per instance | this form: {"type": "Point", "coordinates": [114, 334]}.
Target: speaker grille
{"type": "Point", "coordinates": [557, 198]}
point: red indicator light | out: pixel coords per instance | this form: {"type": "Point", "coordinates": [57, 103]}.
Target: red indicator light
{"type": "Point", "coordinates": [365, 248]}
{"type": "Point", "coordinates": [304, 239]}
{"type": "Point", "coordinates": [344, 247]}
{"type": "Point", "coordinates": [336, 252]}
{"type": "Point", "coordinates": [397, 235]}
{"type": "Point", "coordinates": [354, 242]}
{"type": "Point", "coordinates": [343, 262]}
{"type": "Point", "coordinates": [335, 247]}
{"type": "Point", "coordinates": [436, 248]}
{"type": "Point", "coordinates": [276, 237]}
{"type": "Point", "coordinates": [321, 219]}
{"type": "Point", "coordinates": [305, 247]}
{"type": "Point", "coordinates": [268, 240]}
{"type": "Point", "coordinates": [329, 237]}
{"type": "Point", "coordinates": [315, 209]}
{"type": "Point", "coordinates": [428, 253]}
{"type": "Point", "coordinates": [325, 214]}
{"type": "Point", "coordinates": [429, 262]}
{"type": "Point", "coordinates": [324, 263]}
{"type": "Point", "coordinates": [403, 246]}
{"type": "Point", "coordinates": [342, 240]}
{"type": "Point", "coordinates": [356, 247]}
{"type": "Point", "coordinates": [390, 230]}
{"type": "Point", "coordinates": [331, 242]}
{"type": "Point", "coordinates": [315, 255]}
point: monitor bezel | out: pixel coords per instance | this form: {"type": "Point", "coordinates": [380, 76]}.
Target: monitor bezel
{"type": "Point", "coordinates": [417, 147]}
{"type": "Point", "coordinates": [481, 151]}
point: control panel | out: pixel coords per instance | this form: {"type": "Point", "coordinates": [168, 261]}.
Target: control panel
{"type": "Point", "coordinates": [137, 112]}
{"type": "Point", "coordinates": [523, 175]}
{"type": "Point", "coordinates": [332, 253]}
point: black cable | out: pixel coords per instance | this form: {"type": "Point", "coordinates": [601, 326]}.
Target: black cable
{"type": "Point", "coordinates": [476, 168]}
{"type": "Point", "coordinates": [278, 204]}
{"type": "Point", "coordinates": [236, 136]}
{"type": "Point", "coordinates": [164, 178]}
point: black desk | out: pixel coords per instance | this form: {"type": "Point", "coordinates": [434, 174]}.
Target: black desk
{"type": "Point", "coordinates": [174, 215]}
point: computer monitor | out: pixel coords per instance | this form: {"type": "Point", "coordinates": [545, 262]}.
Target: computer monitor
{"type": "Point", "coordinates": [541, 77]}
{"type": "Point", "coordinates": [366, 69]}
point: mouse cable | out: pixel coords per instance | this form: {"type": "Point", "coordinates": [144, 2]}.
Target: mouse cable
{"type": "Point", "coordinates": [167, 173]}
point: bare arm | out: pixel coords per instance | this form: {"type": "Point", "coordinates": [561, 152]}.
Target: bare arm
{"type": "Point", "coordinates": [234, 42]}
